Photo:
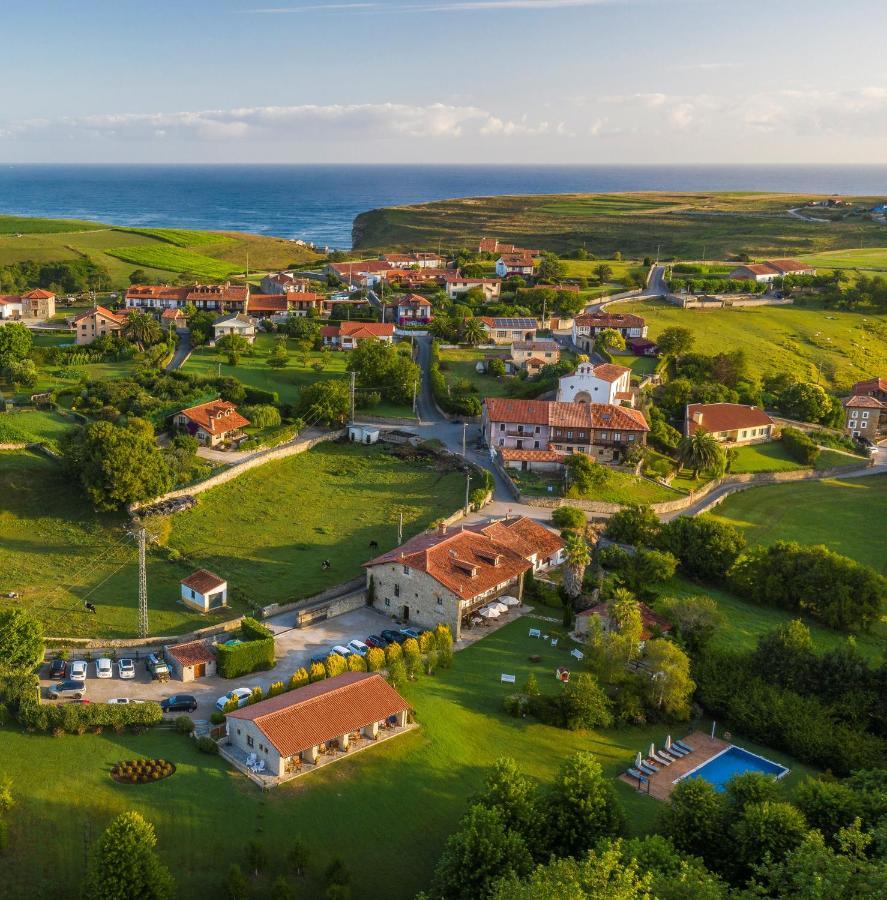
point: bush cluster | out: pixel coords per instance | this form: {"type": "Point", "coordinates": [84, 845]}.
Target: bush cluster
{"type": "Point", "coordinates": [800, 446]}
{"type": "Point", "coordinates": [142, 771]}
{"type": "Point", "coordinates": [255, 654]}
{"type": "Point", "coordinates": [76, 718]}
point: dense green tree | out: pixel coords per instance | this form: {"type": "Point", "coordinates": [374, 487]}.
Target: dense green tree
{"type": "Point", "coordinates": [200, 324]}
{"type": "Point", "coordinates": [551, 267]}
{"type": "Point", "coordinates": [750, 787]}
{"type": "Point", "coordinates": [767, 830]}
{"type": "Point", "coordinates": [124, 864]}
{"type": "Point", "coordinates": [806, 402]}
{"type": "Point", "coordinates": [510, 792]}
{"type": "Point", "coordinates": [21, 641]}
{"type": "Point", "coordinates": [327, 402]}
{"type": "Point", "coordinates": [634, 524]}
{"type": "Point", "coordinates": [584, 474]}
{"type": "Point", "coordinates": [696, 619]}
{"type": "Point", "coordinates": [828, 805]}
{"type": "Point", "coordinates": [694, 819]}
{"type": "Point", "coordinates": [608, 339]}
{"type": "Point", "coordinates": [117, 464]}
{"type": "Point", "coordinates": [22, 373]}
{"type": "Point", "coordinates": [262, 415]}
{"type": "Point", "coordinates": [297, 857]}
{"type": "Point", "coordinates": [142, 329]}
{"type": "Point", "coordinates": [255, 856]}
{"type": "Point", "coordinates": [236, 886]}
{"type": "Point", "coordinates": [568, 518]}
{"type": "Point", "coordinates": [15, 343]}
{"type": "Point", "coordinates": [700, 451]}
{"type": "Point", "coordinates": [675, 341]}
{"type": "Point", "coordinates": [785, 654]}
{"type": "Point", "coordinates": [585, 704]}
{"type": "Point", "coordinates": [380, 367]}
{"type": "Point", "coordinates": [705, 547]}
{"type": "Point", "coordinates": [472, 332]}
{"type": "Point", "coordinates": [670, 688]}
{"type": "Point", "coordinates": [603, 272]}
{"type": "Point", "coordinates": [279, 356]}
{"type": "Point", "coordinates": [675, 875]}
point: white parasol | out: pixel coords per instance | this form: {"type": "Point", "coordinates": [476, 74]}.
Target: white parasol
{"type": "Point", "coordinates": [501, 607]}
{"type": "Point", "coordinates": [637, 760]}
{"type": "Point", "coordinates": [508, 600]}
{"type": "Point", "coordinates": [652, 753]}
{"type": "Point", "coordinates": [668, 743]}
{"type": "Point", "coordinates": [488, 613]}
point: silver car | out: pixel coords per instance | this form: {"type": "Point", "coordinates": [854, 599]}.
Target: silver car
{"type": "Point", "coordinates": [68, 690]}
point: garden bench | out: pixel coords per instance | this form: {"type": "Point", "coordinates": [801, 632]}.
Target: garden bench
{"type": "Point", "coordinates": [508, 679]}
{"type": "Point", "coordinates": [535, 632]}
{"type": "Point", "coordinates": [577, 653]}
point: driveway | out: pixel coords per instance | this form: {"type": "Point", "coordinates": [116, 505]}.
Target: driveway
{"type": "Point", "coordinates": [183, 350]}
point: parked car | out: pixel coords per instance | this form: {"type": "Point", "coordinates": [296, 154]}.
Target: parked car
{"type": "Point", "coordinates": [358, 647]}
{"type": "Point", "coordinates": [77, 670]}
{"type": "Point", "coordinates": [126, 668]}
{"type": "Point", "coordinates": [179, 703]}
{"type": "Point", "coordinates": [410, 633]}
{"type": "Point", "coordinates": [376, 640]}
{"type": "Point", "coordinates": [73, 690]}
{"type": "Point", "coordinates": [319, 658]}
{"type": "Point", "coordinates": [157, 666]}
{"type": "Point", "coordinates": [103, 668]}
{"type": "Point", "coordinates": [118, 701]}
{"type": "Point", "coordinates": [342, 651]}
{"type": "Point", "coordinates": [58, 669]}
{"type": "Point", "coordinates": [393, 637]}
{"type": "Point", "coordinates": [241, 695]}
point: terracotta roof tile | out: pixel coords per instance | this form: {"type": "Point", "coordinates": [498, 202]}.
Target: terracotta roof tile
{"type": "Point", "coordinates": [203, 580]}
{"type": "Point", "coordinates": [609, 371]}
{"type": "Point", "coordinates": [525, 536]}
{"type": "Point", "coordinates": [866, 387]}
{"type": "Point", "coordinates": [191, 654]}
{"type": "Point", "coordinates": [101, 311]}
{"type": "Point", "coordinates": [216, 416]}
{"type": "Point", "coordinates": [860, 401]}
{"type": "Point", "coordinates": [609, 320]}
{"type": "Point", "coordinates": [515, 455]}
{"type": "Point", "coordinates": [560, 415]}
{"type": "Point", "coordinates": [725, 417]}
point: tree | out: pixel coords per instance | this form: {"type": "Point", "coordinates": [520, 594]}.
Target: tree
{"type": "Point", "coordinates": [234, 345]}
{"type": "Point", "coordinates": [256, 857]}
{"type": "Point", "coordinates": [326, 401]}
{"type": "Point", "coordinates": [297, 857]}
{"type": "Point", "coordinates": [236, 885]}
{"type": "Point", "coordinates": [123, 863]}
{"type": "Point", "coordinates": [675, 341]}
{"type": "Point", "coordinates": [21, 641]}
{"type": "Point", "coordinates": [608, 338]}
{"type": "Point", "coordinates": [22, 373]}
{"type": "Point", "coordinates": [513, 795]}
{"type": "Point", "coordinates": [705, 547]}
{"type": "Point", "coordinates": [696, 619]}
{"type": "Point", "coordinates": [694, 820]}
{"type": "Point", "coordinates": [633, 524]}
{"type": "Point", "coordinates": [603, 273]}
{"type": "Point", "coordinates": [138, 276]}
{"type": "Point", "coordinates": [117, 464]}
{"type": "Point", "coordinates": [281, 889]}
{"type": "Point", "coordinates": [701, 451]}
{"type": "Point", "coordinates": [764, 831]}
{"type": "Point", "coordinates": [750, 787]}
{"type": "Point", "coordinates": [585, 704]}
{"type": "Point", "coordinates": [482, 851]}
{"type": "Point", "coordinates": [200, 324]}
{"type": "Point", "coordinates": [581, 807]}
{"type": "Point", "coordinates": [584, 473]}
{"type": "Point", "coordinates": [142, 329]}
{"type": "Point", "coordinates": [805, 401]}
{"type": "Point", "coordinates": [15, 343]}
{"type": "Point", "coordinates": [577, 559]}
{"type": "Point", "coordinates": [263, 415]}
{"type": "Point", "coordinates": [496, 367]}
{"type": "Point", "coordinates": [675, 875]}
{"type": "Point", "coordinates": [551, 268]}
{"type": "Point", "coordinates": [472, 332]}
{"type": "Point", "coordinates": [569, 518]}
{"type": "Point", "coordinates": [279, 355]}
{"type": "Point", "coordinates": [828, 805]}
{"type": "Point", "coordinates": [569, 303]}
{"type": "Point", "coordinates": [381, 367]}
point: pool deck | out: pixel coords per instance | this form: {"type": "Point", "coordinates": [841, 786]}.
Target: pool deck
{"type": "Point", "coordinates": [661, 784]}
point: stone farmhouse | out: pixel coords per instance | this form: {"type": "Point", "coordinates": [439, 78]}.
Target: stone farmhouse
{"type": "Point", "coordinates": [96, 323]}
{"type": "Point", "coordinates": [866, 410]}
{"type": "Point", "coordinates": [533, 355]}
{"type": "Point", "coordinates": [312, 724]}
{"type": "Point", "coordinates": [212, 423]}
{"type": "Point", "coordinates": [770, 270]}
{"type": "Point", "coordinates": [729, 423]}
{"type": "Point", "coordinates": [36, 304]}
{"type": "Point", "coordinates": [461, 284]}
{"type": "Point", "coordinates": [225, 297]}
{"type": "Point", "coordinates": [283, 283]}
{"type": "Point", "coordinates": [588, 325]}
{"type": "Point", "coordinates": [604, 383]}
{"type": "Point", "coordinates": [447, 575]}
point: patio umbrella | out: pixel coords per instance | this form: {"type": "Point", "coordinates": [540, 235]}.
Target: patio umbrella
{"type": "Point", "coordinates": [488, 613]}
{"type": "Point", "coordinates": [652, 753]}
{"type": "Point", "coordinates": [501, 607]}
{"type": "Point", "coordinates": [508, 600]}
{"type": "Point", "coordinates": [668, 743]}
{"type": "Point", "coordinates": [637, 760]}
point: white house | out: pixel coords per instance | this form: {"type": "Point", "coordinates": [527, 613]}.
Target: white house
{"type": "Point", "coordinates": [456, 285]}
{"type": "Point", "coordinates": [729, 423]}
{"type": "Point", "coordinates": [770, 270]}
{"type": "Point", "coordinates": [238, 323]}
{"type": "Point", "coordinates": [521, 263]}
{"type": "Point", "coordinates": [204, 591]}
{"type": "Point", "coordinates": [605, 383]}
{"type": "Point", "coordinates": [363, 434]}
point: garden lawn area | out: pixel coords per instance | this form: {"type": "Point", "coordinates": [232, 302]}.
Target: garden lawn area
{"type": "Point", "coordinates": [746, 621]}
{"type": "Point", "coordinates": [769, 457]}
{"type": "Point", "coordinates": [289, 381]}
{"type": "Point", "coordinates": [794, 340]}
{"type": "Point", "coordinates": [414, 788]}
{"type": "Point", "coordinates": [639, 365]}
{"type": "Point", "coordinates": [847, 515]}
{"type": "Point", "coordinates": [461, 364]}
{"type": "Point", "coordinates": [623, 487]}
{"type": "Point", "coordinates": [33, 426]}
{"type": "Point", "coordinates": [269, 530]}
{"type": "Point", "coordinates": [871, 258]}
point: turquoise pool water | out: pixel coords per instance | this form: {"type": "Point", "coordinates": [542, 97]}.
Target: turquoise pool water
{"type": "Point", "coordinates": [734, 761]}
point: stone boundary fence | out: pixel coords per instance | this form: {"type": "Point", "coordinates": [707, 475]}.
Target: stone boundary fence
{"type": "Point", "coordinates": [291, 448]}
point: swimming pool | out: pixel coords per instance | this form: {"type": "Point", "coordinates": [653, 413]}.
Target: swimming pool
{"type": "Point", "coordinates": [734, 761]}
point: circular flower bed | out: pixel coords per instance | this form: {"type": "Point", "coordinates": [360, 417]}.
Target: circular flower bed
{"type": "Point", "coordinates": [142, 771]}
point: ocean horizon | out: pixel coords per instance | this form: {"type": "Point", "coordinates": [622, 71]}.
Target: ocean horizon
{"type": "Point", "coordinates": [318, 202]}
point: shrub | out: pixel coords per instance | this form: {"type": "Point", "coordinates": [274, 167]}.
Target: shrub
{"type": "Point", "coordinates": [276, 688]}
{"type": "Point", "coordinates": [317, 672]}
{"type": "Point", "coordinates": [72, 717]}
{"type": "Point", "coordinates": [206, 744]}
{"type": "Point", "coordinates": [705, 547]}
{"type": "Point", "coordinates": [299, 678]}
{"type": "Point", "coordinates": [569, 517]}
{"type": "Point", "coordinates": [375, 659]}
{"type": "Point", "coordinates": [255, 697]}
{"type": "Point", "coordinates": [335, 665]}
{"type": "Point", "coordinates": [799, 446]}
{"type": "Point", "coordinates": [257, 396]}
{"type": "Point", "coordinates": [184, 724]}
{"type": "Point", "coordinates": [217, 717]}
{"type": "Point", "coordinates": [393, 652]}
{"type": "Point", "coordinates": [444, 640]}
{"type": "Point", "coordinates": [255, 653]}
{"type": "Point", "coordinates": [356, 663]}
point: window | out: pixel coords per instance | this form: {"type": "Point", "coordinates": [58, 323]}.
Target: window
{"type": "Point", "coordinates": [440, 601]}
{"type": "Point", "coordinates": [865, 415]}
{"type": "Point", "coordinates": [616, 436]}
{"type": "Point", "coordinates": [406, 570]}
{"type": "Point", "coordinates": [387, 602]}
{"type": "Point", "coordinates": [501, 442]}
{"type": "Point", "coordinates": [569, 435]}
{"type": "Point", "coordinates": [502, 427]}
{"type": "Point", "coordinates": [397, 590]}
{"type": "Point", "coordinates": [863, 424]}
{"type": "Point", "coordinates": [538, 429]}
{"type": "Point", "coordinates": [535, 445]}
{"type": "Point", "coordinates": [249, 740]}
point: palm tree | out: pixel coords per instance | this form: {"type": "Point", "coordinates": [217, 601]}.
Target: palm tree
{"type": "Point", "coordinates": [473, 332]}
{"type": "Point", "coordinates": [700, 451]}
{"type": "Point", "coordinates": [142, 329]}
{"type": "Point", "coordinates": [578, 558]}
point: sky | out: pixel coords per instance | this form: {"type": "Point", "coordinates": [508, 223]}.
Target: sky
{"type": "Point", "coordinates": [444, 81]}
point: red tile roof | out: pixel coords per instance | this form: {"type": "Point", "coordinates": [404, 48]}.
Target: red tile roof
{"type": "Point", "coordinates": [358, 330]}
{"type": "Point", "coordinates": [860, 401]}
{"type": "Point", "coordinates": [525, 536]}
{"type": "Point", "coordinates": [540, 346]}
{"type": "Point", "coordinates": [867, 387]}
{"type": "Point", "coordinates": [609, 371]}
{"type": "Point", "coordinates": [268, 303]}
{"type": "Point", "coordinates": [38, 294]}
{"type": "Point", "coordinates": [101, 311]}
{"type": "Point", "coordinates": [172, 314]}
{"type": "Point", "coordinates": [413, 300]}
{"type": "Point", "coordinates": [649, 618]}
{"type": "Point", "coordinates": [203, 581]}
{"type": "Point", "coordinates": [320, 712]}
{"type": "Point", "coordinates": [191, 654]}
{"type": "Point", "coordinates": [609, 320]}
{"type": "Point", "coordinates": [725, 417]}
{"type": "Point", "coordinates": [518, 260]}
{"type": "Point", "coordinates": [216, 416]}
{"type": "Point", "coordinates": [493, 245]}
{"type": "Point", "coordinates": [515, 455]}
{"type": "Point", "coordinates": [559, 414]}
{"type": "Point", "coordinates": [226, 293]}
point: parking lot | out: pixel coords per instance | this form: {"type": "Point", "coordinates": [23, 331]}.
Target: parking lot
{"type": "Point", "coordinates": [294, 647]}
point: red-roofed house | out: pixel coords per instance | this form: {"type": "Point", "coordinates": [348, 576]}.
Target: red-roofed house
{"type": "Point", "coordinates": [283, 283]}
{"type": "Point", "coordinates": [604, 383]}
{"type": "Point", "coordinates": [190, 661]}
{"type": "Point", "coordinates": [652, 622]}
{"type": "Point", "coordinates": [494, 245]}
{"type": "Point", "coordinates": [347, 335]}
{"type": "Point", "coordinates": [522, 263]}
{"type": "Point", "coordinates": [279, 306]}
{"type": "Point", "coordinates": [211, 423]}
{"type": "Point", "coordinates": [729, 423]}
{"type": "Point", "coordinates": [447, 575]}
{"type": "Point", "coordinates": [461, 284]}
{"type": "Point", "coordinates": [588, 325]}
{"type": "Point", "coordinates": [96, 323]}
{"type": "Point", "coordinates": [866, 409]}
{"type": "Point", "coordinates": [771, 269]}
{"type": "Point", "coordinates": [204, 591]}
{"type": "Point", "coordinates": [413, 309]}
{"type": "Point", "coordinates": [34, 304]}
{"type": "Point", "coordinates": [225, 297]}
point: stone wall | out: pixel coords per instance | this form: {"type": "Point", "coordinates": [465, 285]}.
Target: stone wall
{"type": "Point", "coordinates": [419, 592]}
{"type": "Point", "coordinates": [275, 609]}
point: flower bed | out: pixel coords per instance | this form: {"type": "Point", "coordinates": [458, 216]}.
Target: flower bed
{"type": "Point", "coordinates": [142, 771]}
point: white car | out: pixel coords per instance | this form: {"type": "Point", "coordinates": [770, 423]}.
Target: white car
{"type": "Point", "coordinates": [126, 668]}
{"type": "Point", "coordinates": [358, 647]}
{"type": "Point", "coordinates": [103, 668]}
{"type": "Point", "coordinates": [241, 695]}
{"type": "Point", "coordinates": [344, 652]}
{"type": "Point", "coordinates": [122, 700]}
{"type": "Point", "coordinates": [77, 672]}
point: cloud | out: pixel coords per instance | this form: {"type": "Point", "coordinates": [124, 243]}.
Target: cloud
{"type": "Point", "coordinates": [309, 122]}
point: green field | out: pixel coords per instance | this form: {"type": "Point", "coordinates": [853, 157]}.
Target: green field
{"type": "Point", "coordinates": [871, 259]}
{"type": "Point", "coordinates": [182, 237]}
{"type": "Point", "coordinates": [676, 225]}
{"type": "Point", "coordinates": [30, 225]}
{"type": "Point", "coordinates": [847, 515]}
{"type": "Point", "coordinates": [620, 487]}
{"type": "Point", "coordinates": [175, 259]}
{"type": "Point", "coordinates": [289, 381]}
{"type": "Point", "coordinates": [460, 364]}
{"type": "Point", "coordinates": [267, 532]}
{"type": "Point", "coordinates": [33, 427]}
{"type": "Point", "coordinates": [412, 789]}
{"type": "Point", "coordinates": [848, 346]}
{"type": "Point", "coordinates": [639, 365]}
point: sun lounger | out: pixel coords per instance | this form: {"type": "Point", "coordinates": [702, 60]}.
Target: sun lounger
{"type": "Point", "coordinates": [661, 758]}
{"type": "Point", "coordinates": [681, 745]}
{"type": "Point", "coordinates": [647, 769]}
{"type": "Point", "coordinates": [635, 774]}
{"type": "Point", "coordinates": [675, 750]}
{"type": "Point", "coordinates": [260, 767]}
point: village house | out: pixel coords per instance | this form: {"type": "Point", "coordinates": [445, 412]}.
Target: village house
{"type": "Point", "coordinates": [314, 723]}
{"type": "Point", "coordinates": [212, 423]}
{"type": "Point", "coordinates": [225, 297]}
{"type": "Point", "coordinates": [204, 591]}
{"type": "Point", "coordinates": [36, 304]}
{"type": "Point", "coordinates": [604, 383]}
{"type": "Point", "coordinates": [866, 409]}
{"type": "Point", "coordinates": [588, 325]}
{"type": "Point", "coordinates": [283, 283]}
{"type": "Point", "coordinates": [347, 335]}
{"type": "Point", "coordinates": [417, 278]}
{"type": "Point", "coordinates": [446, 575]}
{"type": "Point", "coordinates": [456, 285]}
{"type": "Point", "coordinates": [191, 661]}
{"type": "Point", "coordinates": [641, 346]}
{"type": "Point", "coordinates": [599, 430]}
{"type": "Point", "coordinates": [493, 245]}
{"type": "Point", "coordinates": [279, 306]}
{"type": "Point", "coordinates": [413, 309]}
{"type": "Point", "coordinates": [361, 273]}
{"type": "Point", "coordinates": [652, 623]}
{"type": "Point", "coordinates": [729, 423]}
{"type": "Point", "coordinates": [506, 331]}
{"type": "Point", "coordinates": [236, 323]}
{"type": "Point", "coordinates": [770, 270]}
{"type": "Point", "coordinates": [522, 264]}
{"type": "Point", "coordinates": [174, 318]}
{"type": "Point", "coordinates": [533, 355]}
{"type": "Point", "coordinates": [96, 323]}
{"type": "Point", "coordinates": [414, 260]}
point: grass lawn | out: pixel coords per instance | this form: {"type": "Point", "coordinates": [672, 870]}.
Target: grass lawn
{"type": "Point", "coordinates": [254, 371]}
{"type": "Point", "coordinates": [870, 258]}
{"type": "Point", "coordinates": [33, 427]}
{"type": "Point", "coordinates": [639, 365]}
{"type": "Point", "coordinates": [412, 790]}
{"type": "Point", "coordinates": [769, 457]}
{"type": "Point", "coordinates": [461, 364]}
{"type": "Point", "coordinates": [795, 340]}
{"type": "Point", "coordinates": [847, 515]}
{"type": "Point", "coordinates": [623, 487]}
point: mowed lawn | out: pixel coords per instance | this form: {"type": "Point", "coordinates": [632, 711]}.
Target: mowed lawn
{"type": "Point", "coordinates": [461, 364]}
{"type": "Point", "coordinates": [871, 259]}
{"type": "Point", "coordinates": [33, 426]}
{"type": "Point", "coordinates": [847, 515]}
{"type": "Point", "coordinates": [412, 790]}
{"type": "Point", "coordinates": [848, 346]}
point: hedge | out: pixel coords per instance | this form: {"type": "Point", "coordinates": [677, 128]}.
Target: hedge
{"type": "Point", "coordinates": [256, 395]}
{"type": "Point", "coordinates": [77, 717]}
{"type": "Point", "coordinates": [255, 654]}
{"type": "Point", "coordinates": [799, 446]}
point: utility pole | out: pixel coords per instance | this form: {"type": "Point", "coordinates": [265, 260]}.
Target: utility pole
{"type": "Point", "coordinates": [464, 429]}
{"type": "Point", "coordinates": [543, 312]}
{"type": "Point", "coordinates": [353, 378]}
{"type": "Point", "coordinates": [467, 487]}
{"type": "Point", "coordinates": [400, 530]}
{"type": "Point", "coordinates": [143, 587]}
{"type": "Point", "coordinates": [415, 393]}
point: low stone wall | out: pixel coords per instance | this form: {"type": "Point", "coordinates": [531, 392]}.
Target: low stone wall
{"type": "Point", "coordinates": [14, 446]}
{"type": "Point", "coordinates": [291, 448]}
{"type": "Point", "coordinates": [275, 609]}
{"type": "Point", "coordinates": [367, 418]}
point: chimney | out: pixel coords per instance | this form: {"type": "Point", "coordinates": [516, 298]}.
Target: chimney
{"type": "Point", "coordinates": [697, 417]}
{"type": "Point", "coordinates": [442, 528]}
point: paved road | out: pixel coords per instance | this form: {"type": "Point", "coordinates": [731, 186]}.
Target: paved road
{"type": "Point", "coordinates": [182, 350]}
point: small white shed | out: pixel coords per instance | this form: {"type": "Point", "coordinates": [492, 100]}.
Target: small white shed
{"type": "Point", "coordinates": [363, 434]}
{"type": "Point", "coordinates": [204, 591]}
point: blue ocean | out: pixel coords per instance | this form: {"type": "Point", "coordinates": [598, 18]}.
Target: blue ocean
{"type": "Point", "coordinates": [318, 203]}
